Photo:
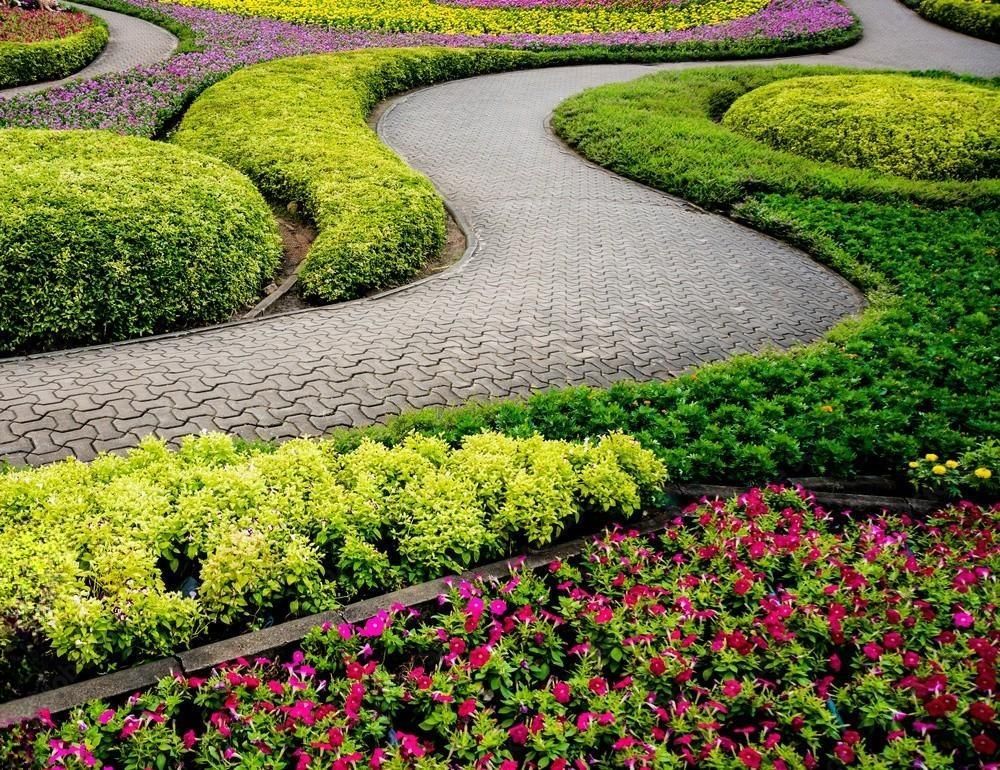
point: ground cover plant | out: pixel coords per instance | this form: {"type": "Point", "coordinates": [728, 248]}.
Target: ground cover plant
{"type": "Point", "coordinates": [980, 18]}
{"type": "Point", "coordinates": [894, 124]}
{"type": "Point", "coordinates": [762, 632]}
{"type": "Point", "coordinates": [145, 100]}
{"type": "Point", "coordinates": [105, 237]}
{"type": "Point", "coordinates": [110, 561]}
{"type": "Point", "coordinates": [42, 45]}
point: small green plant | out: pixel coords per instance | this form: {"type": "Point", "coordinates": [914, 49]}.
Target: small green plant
{"type": "Point", "coordinates": [976, 470]}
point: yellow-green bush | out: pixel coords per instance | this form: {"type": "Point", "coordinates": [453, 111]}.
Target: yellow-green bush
{"type": "Point", "coordinates": [921, 128]}
{"type": "Point", "coordinates": [105, 237]}
{"type": "Point", "coordinates": [129, 556]}
{"type": "Point", "coordinates": [297, 128]}
{"type": "Point", "coordinates": [973, 17]}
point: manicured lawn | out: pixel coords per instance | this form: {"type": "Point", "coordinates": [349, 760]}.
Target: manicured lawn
{"type": "Point", "coordinates": [765, 632]}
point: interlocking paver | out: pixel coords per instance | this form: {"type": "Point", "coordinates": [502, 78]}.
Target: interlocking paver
{"type": "Point", "coordinates": [580, 277]}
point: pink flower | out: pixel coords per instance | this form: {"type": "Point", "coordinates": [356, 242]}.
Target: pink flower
{"type": "Point", "coordinates": [518, 734]}
{"type": "Point", "coordinates": [598, 685]}
{"type": "Point", "coordinates": [657, 667]}
{"type": "Point", "coordinates": [583, 721]}
{"type": "Point", "coordinates": [750, 758]}
{"type": "Point", "coordinates": [467, 708]}
{"type": "Point", "coordinates": [106, 716]}
{"type": "Point", "coordinates": [963, 619]}
{"type": "Point", "coordinates": [731, 688]}
{"type": "Point", "coordinates": [189, 740]}
{"type": "Point", "coordinates": [604, 615]}
{"type": "Point", "coordinates": [561, 692]}
{"type": "Point", "coordinates": [498, 607]}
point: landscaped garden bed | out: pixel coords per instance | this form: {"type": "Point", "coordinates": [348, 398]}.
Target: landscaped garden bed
{"type": "Point", "coordinates": [980, 18]}
{"type": "Point", "coordinates": [129, 558]}
{"type": "Point", "coordinates": [46, 45]}
{"type": "Point", "coordinates": [762, 632]}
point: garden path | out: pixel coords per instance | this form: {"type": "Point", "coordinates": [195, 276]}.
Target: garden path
{"type": "Point", "coordinates": [578, 276]}
{"type": "Point", "coordinates": [132, 43]}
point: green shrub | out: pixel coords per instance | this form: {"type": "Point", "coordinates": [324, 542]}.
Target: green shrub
{"type": "Point", "coordinates": [23, 63]}
{"type": "Point", "coordinates": [186, 36]}
{"type": "Point", "coordinates": [132, 556]}
{"type": "Point", "coordinates": [921, 128]}
{"type": "Point", "coordinates": [104, 237]}
{"type": "Point", "coordinates": [980, 18]}
{"type": "Point", "coordinates": [297, 128]}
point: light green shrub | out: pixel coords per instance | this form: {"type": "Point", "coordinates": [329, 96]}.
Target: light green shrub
{"type": "Point", "coordinates": [138, 555]}
{"type": "Point", "coordinates": [105, 237]}
{"type": "Point", "coordinates": [297, 128]}
{"type": "Point", "coordinates": [980, 18]}
{"type": "Point", "coordinates": [921, 128]}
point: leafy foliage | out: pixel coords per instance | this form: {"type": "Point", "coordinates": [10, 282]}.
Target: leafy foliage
{"type": "Point", "coordinates": [921, 128]}
{"type": "Point", "coordinates": [49, 59]}
{"type": "Point", "coordinates": [980, 18]}
{"type": "Point", "coordinates": [762, 633]}
{"type": "Point", "coordinates": [104, 237]}
{"type": "Point", "coordinates": [127, 557]}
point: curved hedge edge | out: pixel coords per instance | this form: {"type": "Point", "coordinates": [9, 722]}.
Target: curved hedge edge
{"type": "Point", "coordinates": [978, 19]}
{"type": "Point", "coordinates": [25, 63]}
{"type": "Point", "coordinates": [346, 261]}
{"type": "Point", "coordinates": [186, 36]}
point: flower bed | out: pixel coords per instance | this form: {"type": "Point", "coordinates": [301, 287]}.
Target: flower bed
{"type": "Point", "coordinates": [17, 26]}
{"type": "Point", "coordinates": [921, 128]}
{"type": "Point", "coordinates": [42, 45]}
{"type": "Point", "coordinates": [145, 100]}
{"type": "Point", "coordinates": [106, 237]}
{"type": "Point", "coordinates": [121, 558]}
{"type": "Point", "coordinates": [764, 632]}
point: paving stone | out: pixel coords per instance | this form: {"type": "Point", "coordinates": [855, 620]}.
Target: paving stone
{"type": "Point", "coordinates": [580, 277]}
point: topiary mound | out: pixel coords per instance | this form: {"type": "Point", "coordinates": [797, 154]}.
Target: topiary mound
{"type": "Point", "coordinates": [105, 237]}
{"type": "Point", "coordinates": [40, 45]}
{"type": "Point", "coordinates": [916, 127]}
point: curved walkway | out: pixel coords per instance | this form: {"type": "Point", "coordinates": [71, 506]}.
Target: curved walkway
{"type": "Point", "coordinates": [579, 276]}
{"type": "Point", "coordinates": [132, 43]}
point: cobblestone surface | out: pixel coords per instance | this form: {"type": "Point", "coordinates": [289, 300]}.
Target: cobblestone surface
{"type": "Point", "coordinates": [579, 277]}
{"type": "Point", "coordinates": [132, 43]}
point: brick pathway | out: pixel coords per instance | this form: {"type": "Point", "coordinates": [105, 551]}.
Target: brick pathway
{"type": "Point", "coordinates": [579, 276]}
{"type": "Point", "coordinates": [132, 43]}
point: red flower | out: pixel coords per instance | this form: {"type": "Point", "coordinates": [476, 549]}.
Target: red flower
{"type": "Point", "coordinates": [984, 744]}
{"type": "Point", "coordinates": [742, 586]}
{"type": "Point", "coordinates": [456, 646]}
{"type": "Point", "coordinates": [750, 757]}
{"type": "Point", "coordinates": [731, 688]}
{"type": "Point", "coordinates": [467, 707]}
{"type": "Point", "coordinates": [851, 737]}
{"type": "Point", "coordinates": [844, 753]}
{"type": "Point", "coordinates": [982, 711]}
{"type": "Point", "coordinates": [892, 640]}
{"type": "Point", "coordinates": [479, 657]}
{"type": "Point", "coordinates": [518, 734]}
{"type": "Point", "coordinates": [598, 686]}
{"type": "Point", "coordinates": [941, 705]}
{"type": "Point", "coordinates": [603, 615]}
{"type": "Point", "coordinates": [657, 667]}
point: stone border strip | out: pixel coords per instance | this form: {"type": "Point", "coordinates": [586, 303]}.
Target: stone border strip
{"type": "Point", "coordinates": [202, 659]}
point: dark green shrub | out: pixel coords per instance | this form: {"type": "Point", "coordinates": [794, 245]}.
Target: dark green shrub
{"type": "Point", "coordinates": [921, 128]}
{"type": "Point", "coordinates": [105, 237]}
{"type": "Point", "coordinates": [23, 63]}
{"type": "Point", "coordinates": [980, 18]}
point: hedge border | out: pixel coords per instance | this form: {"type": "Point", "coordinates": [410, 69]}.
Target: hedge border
{"type": "Point", "coordinates": [186, 36]}
{"type": "Point", "coordinates": [26, 63]}
{"type": "Point", "coordinates": [978, 19]}
{"type": "Point", "coordinates": [204, 658]}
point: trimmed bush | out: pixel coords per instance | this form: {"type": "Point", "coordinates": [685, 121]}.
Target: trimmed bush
{"type": "Point", "coordinates": [979, 18]}
{"type": "Point", "coordinates": [921, 128]}
{"type": "Point", "coordinates": [23, 63]}
{"type": "Point", "coordinates": [105, 237]}
{"type": "Point", "coordinates": [128, 557]}
{"type": "Point", "coordinates": [297, 128]}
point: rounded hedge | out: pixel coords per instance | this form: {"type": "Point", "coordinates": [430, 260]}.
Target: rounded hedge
{"type": "Point", "coordinates": [921, 128]}
{"type": "Point", "coordinates": [980, 18]}
{"type": "Point", "coordinates": [105, 237]}
{"type": "Point", "coordinates": [23, 63]}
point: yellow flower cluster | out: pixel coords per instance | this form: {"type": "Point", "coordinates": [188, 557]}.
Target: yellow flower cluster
{"type": "Point", "coordinates": [430, 16]}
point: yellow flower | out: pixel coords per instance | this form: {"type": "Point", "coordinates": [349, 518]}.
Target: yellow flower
{"type": "Point", "coordinates": [914, 464]}
{"type": "Point", "coordinates": [983, 473]}
{"type": "Point", "coordinates": [931, 458]}
{"type": "Point", "coordinates": [940, 470]}
{"type": "Point", "coordinates": [826, 408]}
{"type": "Point", "coordinates": [951, 464]}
